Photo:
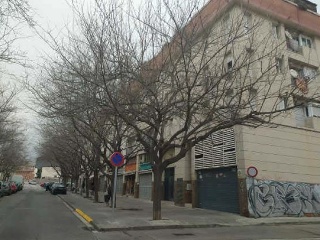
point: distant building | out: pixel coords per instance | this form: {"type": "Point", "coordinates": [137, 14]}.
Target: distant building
{"type": "Point", "coordinates": [46, 170]}
{"type": "Point", "coordinates": [26, 171]}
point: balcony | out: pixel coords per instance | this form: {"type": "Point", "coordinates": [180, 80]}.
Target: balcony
{"type": "Point", "coordinates": [306, 53]}
{"type": "Point", "coordinates": [293, 45]}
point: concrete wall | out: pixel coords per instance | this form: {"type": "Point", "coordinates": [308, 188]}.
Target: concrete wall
{"type": "Point", "coordinates": [277, 198]}
{"type": "Point", "coordinates": [280, 154]}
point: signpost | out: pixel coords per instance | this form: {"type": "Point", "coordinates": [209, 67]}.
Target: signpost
{"type": "Point", "coordinates": [117, 160]}
{"type": "Point", "coordinates": [252, 173]}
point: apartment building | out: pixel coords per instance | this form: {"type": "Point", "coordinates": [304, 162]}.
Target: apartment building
{"type": "Point", "coordinates": [266, 171]}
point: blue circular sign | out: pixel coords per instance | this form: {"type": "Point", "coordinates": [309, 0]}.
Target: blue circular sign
{"type": "Point", "coordinates": [117, 159]}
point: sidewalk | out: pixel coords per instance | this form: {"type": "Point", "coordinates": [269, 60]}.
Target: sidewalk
{"type": "Point", "coordinates": [132, 213]}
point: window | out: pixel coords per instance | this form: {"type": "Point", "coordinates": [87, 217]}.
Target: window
{"type": "Point", "coordinates": [305, 41]}
{"type": "Point", "coordinates": [229, 63]}
{"type": "Point", "coordinates": [313, 110]}
{"type": "Point", "coordinates": [279, 64]}
{"type": "Point", "coordinates": [144, 158]}
{"type": "Point", "coordinates": [253, 99]}
{"type": "Point", "coordinates": [276, 31]}
{"type": "Point", "coordinates": [283, 103]}
{"type": "Point", "coordinates": [226, 23]}
{"type": "Point", "coordinates": [247, 22]}
{"type": "Point", "coordinates": [304, 111]}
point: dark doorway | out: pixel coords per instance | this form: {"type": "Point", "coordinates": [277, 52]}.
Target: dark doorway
{"type": "Point", "coordinates": [130, 179]}
{"type": "Point", "coordinates": [169, 184]}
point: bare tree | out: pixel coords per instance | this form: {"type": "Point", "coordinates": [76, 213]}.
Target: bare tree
{"type": "Point", "coordinates": [11, 151]}
{"type": "Point", "coordinates": [72, 87]}
{"type": "Point", "coordinates": [209, 75]}
{"type": "Point", "coordinates": [13, 14]}
{"type": "Point", "coordinates": [172, 74]}
{"type": "Point", "coordinates": [11, 138]}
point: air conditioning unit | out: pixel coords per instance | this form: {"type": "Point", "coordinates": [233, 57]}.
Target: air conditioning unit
{"type": "Point", "coordinates": [308, 73]}
{"type": "Point", "coordinates": [294, 45]}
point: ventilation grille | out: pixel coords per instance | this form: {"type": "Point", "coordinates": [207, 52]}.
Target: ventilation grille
{"type": "Point", "coordinates": [218, 150]}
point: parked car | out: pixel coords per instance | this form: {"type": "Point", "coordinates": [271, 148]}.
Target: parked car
{"type": "Point", "coordinates": [13, 187]}
{"type": "Point", "coordinates": [6, 186]}
{"type": "Point", "coordinates": [49, 185]}
{"type": "Point", "coordinates": [19, 181]}
{"type": "Point", "coordinates": [58, 188]}
{"type": "Point", "coordinates": [2, 192]}
{"type": "Point", "coordinates": [33, 182]}
{"type": "Point", "coordinates": [19, 185]}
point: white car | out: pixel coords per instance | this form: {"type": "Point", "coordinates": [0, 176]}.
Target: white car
{"type": "Point", "coordinates": [33, 182]}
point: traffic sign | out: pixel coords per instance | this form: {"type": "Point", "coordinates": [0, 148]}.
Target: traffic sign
{"type": "Point", "coordinates": [252, 171]}
{"type": "Point", "coordinates": [117, 159]}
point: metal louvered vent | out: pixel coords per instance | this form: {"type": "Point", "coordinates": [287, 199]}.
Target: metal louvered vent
{"type": "Point", "coordinates": [218, 150]}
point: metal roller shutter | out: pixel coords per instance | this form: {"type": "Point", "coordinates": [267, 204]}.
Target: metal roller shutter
{"type": "Point", "coordinates": [119, 184]}
{"type": "Point", "coordinates": [145, 186]}
{"type": "Point", "coordinates": [218, 189]}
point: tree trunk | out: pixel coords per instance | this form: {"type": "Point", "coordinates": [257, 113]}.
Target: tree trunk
{"type": "Point", "coordinates": [87, 186]}
{"type": "Point", "coordinates": [157, 189]}
{"type": "Point", "coordinates": [96, 185]}
{"type": "Point", "coordinates": [76, 184]}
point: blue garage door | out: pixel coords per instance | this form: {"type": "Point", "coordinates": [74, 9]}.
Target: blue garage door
{"type": "Point", "coordinates": [218, 189]}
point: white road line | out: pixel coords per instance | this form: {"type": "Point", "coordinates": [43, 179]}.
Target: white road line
{"type": "Point", "coordinates": [77, 215]}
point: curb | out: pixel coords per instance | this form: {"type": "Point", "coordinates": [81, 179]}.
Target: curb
{"type": "Point", "coordinates": [82, 214]}
{"type": "Point", "coordinates": [186, 226]}
{"type": "Point", "coordinates": [139, 228]}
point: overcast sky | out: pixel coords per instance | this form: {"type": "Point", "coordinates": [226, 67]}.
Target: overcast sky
{"type": "Point", "coordinates": [51, 14]}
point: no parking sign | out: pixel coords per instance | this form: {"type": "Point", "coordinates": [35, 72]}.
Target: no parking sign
{"type": "Point", "coordinates": [117, 159]}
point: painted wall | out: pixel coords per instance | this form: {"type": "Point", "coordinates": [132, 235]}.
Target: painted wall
{"type": "Point", "coordinates": [280, 154]}
{"type": "Point", "coordinates": [274, 199]}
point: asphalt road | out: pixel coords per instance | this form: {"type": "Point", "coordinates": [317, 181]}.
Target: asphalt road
{"type": "Point", "coordinates": [33, 214]}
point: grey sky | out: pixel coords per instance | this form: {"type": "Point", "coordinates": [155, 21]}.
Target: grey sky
{"type": "Point", "coordinates": [51, 14]}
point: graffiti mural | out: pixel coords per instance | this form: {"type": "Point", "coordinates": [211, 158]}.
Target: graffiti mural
{"type": "Point", "coordinates": [271, 198]}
